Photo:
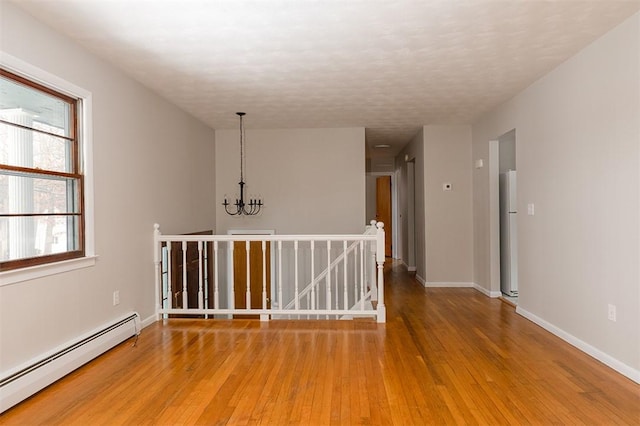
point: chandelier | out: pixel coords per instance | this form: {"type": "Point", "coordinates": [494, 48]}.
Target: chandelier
{"type": "Point", "coordinates": [240, 207]}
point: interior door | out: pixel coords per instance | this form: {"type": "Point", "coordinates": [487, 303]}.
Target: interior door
{"type": "Point", "coordinates": [383, 209]}
{"type": "Point", "coordinates": [256, 269]}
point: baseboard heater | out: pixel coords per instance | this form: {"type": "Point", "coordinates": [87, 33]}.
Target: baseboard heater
{"type": "Point", "coordinates": [28, 379]}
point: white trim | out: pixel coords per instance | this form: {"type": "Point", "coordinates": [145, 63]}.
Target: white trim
{"type": "Point", "coordinates": [494, 214]}
{"type": "Point", "coordinates": [47, 79]}
{"type": "Point", "coordinates": [488, 293]}
{"type": "Point", "coordinates": [411, 212]}
{"type": "Point", "coordinates": [149, 320]}
{"type": "Point", "coordinates": [396, 251]}
{"type": "Point", "coordinates": [18, 66]}
{"type": "Point", "coordinates": [460, 284]}
{"type": "Point", "coordinates": [39, 271]}
{"type": "Point", "coordinates": [87, 170]}
{"type": "Point", "coordinates": [421, 280]}
{"type": "Point", "coordinates": [409, 268]}
{"type": "Point", "coordinates": [596, 353]}
{"type": "Point", "coordinates": [447, 284]}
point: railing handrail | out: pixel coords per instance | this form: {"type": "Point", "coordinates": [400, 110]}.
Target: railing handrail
{"type": "Point", "coordinates": [374, 232]}
{"type": "Point", "coordinates": [265, 237]}
{"type": "Point", "coordinates": [368, 235]}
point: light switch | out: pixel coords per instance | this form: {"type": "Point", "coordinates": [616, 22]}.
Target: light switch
{"type": "Point", "coordinates": [479, 163]}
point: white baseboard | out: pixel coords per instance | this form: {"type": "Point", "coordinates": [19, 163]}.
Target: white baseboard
{"type": "Point", "coordinates": [462, 284]}
{"type": "Point", "coordinates": [409, 268]}
{"type": "Point", "coordinates": [421, 280]}
{"type": "Point", "coordinates": [23, 381]}
{"type": "Point", "coordinates": [149, 320]}
{"type": "Point", "coordinates": [447, 284]}
{"type": "Point", "coordinates": [606, 359]}
{"type": "Point", "coordinates": [488, 293]}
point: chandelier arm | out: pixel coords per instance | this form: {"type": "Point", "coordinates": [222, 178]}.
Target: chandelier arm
{"type": "Point", "coordinates": [227, 210]}
{"type": "Point", "coordinates": [255, 207]}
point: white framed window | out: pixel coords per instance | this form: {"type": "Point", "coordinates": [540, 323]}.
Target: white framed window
{"type": "Point", "coordinates": [46, 187]}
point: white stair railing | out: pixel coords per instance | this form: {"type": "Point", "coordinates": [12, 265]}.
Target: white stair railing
{"type": "Point", "coordinates": [312, 286]}
{"type": "Point", "coordinates": [227, 275]}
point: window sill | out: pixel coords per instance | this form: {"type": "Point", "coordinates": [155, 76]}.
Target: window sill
{"type": "Point", "coordinates": [33, 272]}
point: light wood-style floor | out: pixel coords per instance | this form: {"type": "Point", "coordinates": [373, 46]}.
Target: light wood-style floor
{"type": "Point", "coordinates": [445, 356]}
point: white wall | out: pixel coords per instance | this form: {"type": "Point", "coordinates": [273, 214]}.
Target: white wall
{"type": "Point", "coordinates": [448, 214]}
{"type": "Point", "coordinates": [311, 180]}
{"type": "Point", "coordinates": [578, 157]}
{"type": "Point", "coordinates": [152, 163]}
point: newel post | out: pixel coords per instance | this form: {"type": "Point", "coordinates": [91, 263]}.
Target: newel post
{"type": "Point", "coordinates": [380, 257]}
{"type": "Point", "coordinates": [158, 274]}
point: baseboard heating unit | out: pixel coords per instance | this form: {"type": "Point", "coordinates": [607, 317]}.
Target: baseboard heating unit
{"type": "Point", "coordinates": [21, 383]}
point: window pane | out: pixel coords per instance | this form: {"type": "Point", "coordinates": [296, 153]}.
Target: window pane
{"type": "Point", "coordinates": [25, 237]}
{"type": "Point", "coordinates": [28, 194]}
{"type": "Point", "coordinates": [26, 148]}
{"type": "Point", "coordinates": [40, 188]}
{"type": "Point", "coordinates": [23, 105]}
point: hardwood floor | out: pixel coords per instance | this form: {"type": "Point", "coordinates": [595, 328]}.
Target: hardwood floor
{"type": "Point", "coordinates": [445, 356]}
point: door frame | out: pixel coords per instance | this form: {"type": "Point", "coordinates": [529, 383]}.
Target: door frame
{"type": "Point", "coordinates": [494, 213]}
{"type": "Point", "coordinates": [411, 214]}
{"type": "Point", "coordinates": [494, 218]}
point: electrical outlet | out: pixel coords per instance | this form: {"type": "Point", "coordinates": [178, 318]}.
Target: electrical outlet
{"type": "Point", "coordinates": [116, 297]}
{"type": "Point", "coordinates": [612, 313]}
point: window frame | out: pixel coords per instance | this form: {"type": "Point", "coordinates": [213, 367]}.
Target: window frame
{"type": "Point", "coordinates": [40, 266]}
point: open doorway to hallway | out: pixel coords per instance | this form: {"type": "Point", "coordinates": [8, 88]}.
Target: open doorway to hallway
{"type": "Point", "coordinates": [508, 215]}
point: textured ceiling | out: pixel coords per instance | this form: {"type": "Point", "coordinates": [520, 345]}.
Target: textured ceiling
{"type": "Point", "coordinates": [388, 66]}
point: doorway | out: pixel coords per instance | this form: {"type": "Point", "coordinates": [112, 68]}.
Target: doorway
{"type": "Point", "coordinates": [504, 215]}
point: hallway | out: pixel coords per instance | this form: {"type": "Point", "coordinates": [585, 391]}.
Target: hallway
{"type": "Point", "coordinates": [445, 356]}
